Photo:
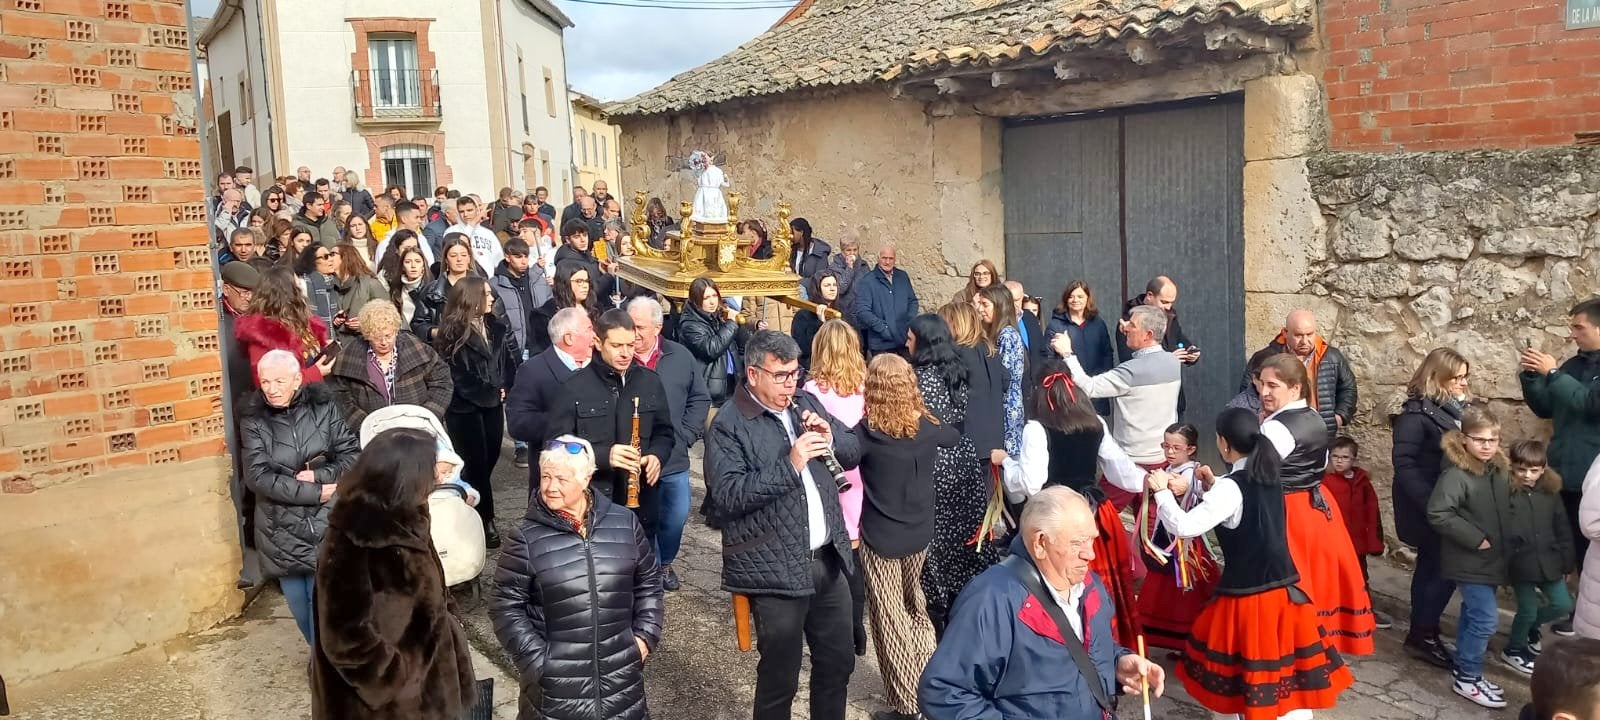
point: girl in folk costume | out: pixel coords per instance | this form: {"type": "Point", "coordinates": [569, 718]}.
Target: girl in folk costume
{"type": "Point", "coordinates": [1182, 573]}
{"type": "Point", "coordinates": [1063, 441]}
{"type": "Point", "coordinates": [1257, 651]}
{"type": "Point", "coordinates": [1329, 570]}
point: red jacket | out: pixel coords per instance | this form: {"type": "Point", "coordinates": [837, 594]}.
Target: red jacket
{"type": "Point", "coordinates": [258, 334]}
{"type": "Point", "coordinates": [1358, 502]}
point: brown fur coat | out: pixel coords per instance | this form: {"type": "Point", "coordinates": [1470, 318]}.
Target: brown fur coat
{"type": "Point", "coordinates": [389, 643]}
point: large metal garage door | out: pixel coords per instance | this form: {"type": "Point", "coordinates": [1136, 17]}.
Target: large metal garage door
{"type": "Point", "coordinates": [1116, 198]}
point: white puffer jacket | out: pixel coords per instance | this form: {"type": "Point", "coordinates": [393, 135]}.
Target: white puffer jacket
{"type": "Point", "coordinates": [1586, 619]}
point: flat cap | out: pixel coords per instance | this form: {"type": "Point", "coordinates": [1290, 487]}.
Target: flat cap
{"type": "Point", "coordinates": [240, 275]}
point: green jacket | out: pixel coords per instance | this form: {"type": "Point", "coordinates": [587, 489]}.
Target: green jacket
{"type": "Point", "coordinates": [1471, 503]}
{"type": "Point", "coordinates": [1570, 399]}
{"type": "Point", "coordinates": [1538, 538]}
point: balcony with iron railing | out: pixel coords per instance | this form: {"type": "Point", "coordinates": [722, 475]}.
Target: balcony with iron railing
{"type": "Point", "coordinates": [396, 96]}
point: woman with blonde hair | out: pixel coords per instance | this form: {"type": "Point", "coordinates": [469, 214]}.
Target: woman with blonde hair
{"type": "Point", "coordinates": [982, 275]}
{"type": "Point", "coordinates": [987, 382]}
{"type": "Point", "coordinates": [384, 366]}
{"type": "Point", "coordinates": [900, 444]}
{"type": "Point", "coordinates": [1435, 398]}
{"type": "Point", "coordinates": [837, 376]}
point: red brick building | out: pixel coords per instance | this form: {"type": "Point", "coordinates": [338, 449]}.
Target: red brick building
{"type": "Point", "coordinates": [114, 516]}
{"type": "Point", "coordinates": [1455, 74]}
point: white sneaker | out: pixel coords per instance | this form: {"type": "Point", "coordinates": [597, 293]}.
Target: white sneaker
{"type": "Point", "coordinates": [1480, 692]}
{"type": "Point", "coordinates": [1523, 664]}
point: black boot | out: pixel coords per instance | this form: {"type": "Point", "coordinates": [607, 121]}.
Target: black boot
{"type": "Point", "coordinates": [1427, 648]}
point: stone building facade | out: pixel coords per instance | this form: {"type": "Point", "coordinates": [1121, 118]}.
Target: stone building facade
{"type": "Point", "coordinates": [1480, 243]}
{"type": "Point", "coordinates": [115, 520]}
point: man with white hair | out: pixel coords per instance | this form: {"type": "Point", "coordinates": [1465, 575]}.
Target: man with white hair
{"type": "Point", "coordinates": [1035, 349]}
{"type": "Point", "coordinates": [1031, 636]}
{"type": "Point", "coordinates": [540, 379]}
{"type": "Point", "coordinates": [885, 304]}
{"type": "Point", "coordinates": [1144, 388]}
{"type": "Point", "coordinates": [689, 402]}
{"type": "Point", "coordinates": [1334, 384]}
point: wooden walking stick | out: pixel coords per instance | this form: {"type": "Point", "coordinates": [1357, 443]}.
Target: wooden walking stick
{"type": "Point", "coordinates": [633, 476]}
{"type": "Point", "coordinates": [741, 620]}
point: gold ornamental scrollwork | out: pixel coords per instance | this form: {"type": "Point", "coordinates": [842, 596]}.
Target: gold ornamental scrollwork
{"type": "Point", "coordinates": [640, 240]}
{"type": "Point", "coordinates": [782, 241]}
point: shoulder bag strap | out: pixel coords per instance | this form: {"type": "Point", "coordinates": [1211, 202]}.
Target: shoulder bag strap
{"type": "Point", "coordinates": [1029, 576]}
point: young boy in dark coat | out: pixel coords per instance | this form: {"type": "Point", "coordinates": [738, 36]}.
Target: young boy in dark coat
{"type": "Point", "coordinates": [1539, 542]}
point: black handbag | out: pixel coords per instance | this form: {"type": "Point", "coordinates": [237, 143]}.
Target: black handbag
{"type": "Point", "coordinates": [1029, 576]}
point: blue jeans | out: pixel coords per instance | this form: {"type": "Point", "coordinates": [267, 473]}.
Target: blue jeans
{"type": "Point", "coordinates": [1479, 615]}
{"type": "Point", "coordinates": [298, 591]}
{"type": "Point", "coordinates": [674, 490]}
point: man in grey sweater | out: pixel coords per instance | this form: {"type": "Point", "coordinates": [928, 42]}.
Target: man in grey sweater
{"type": "Point", "coordinates": [1144, 388]}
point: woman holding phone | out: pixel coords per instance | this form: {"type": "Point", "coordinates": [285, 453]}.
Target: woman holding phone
{"type": "Point", "coordinates": [279, 318]}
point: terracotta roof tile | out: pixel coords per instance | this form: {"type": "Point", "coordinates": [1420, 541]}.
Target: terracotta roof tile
{"type": "Point", "coordinates": [871, 41]}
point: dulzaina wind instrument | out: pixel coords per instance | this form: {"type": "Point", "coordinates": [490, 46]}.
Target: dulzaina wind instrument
{"type": "Point", "coordinates": [633, 476]}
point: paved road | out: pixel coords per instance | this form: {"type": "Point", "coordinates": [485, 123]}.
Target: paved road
{"type": "Point", "coordinates": [698, 672]}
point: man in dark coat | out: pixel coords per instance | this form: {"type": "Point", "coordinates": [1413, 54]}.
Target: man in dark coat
{"type": "Point", "coordinates": [1569, 396]}
{"type": "Point", "coordinates": [1004, 655]}
{"type": "Point", "coordinates": [313, 218]}
{"type": "Point", "coordinates": [784, 542]}
{"type": "Point", "coordinates": [1335, 383]}
{"type": "Point", "coordinates": [540, 378]}
{"type": "Point", "coordinates": [238, 286]}
{"type": "Point", "coordinates": [885, 304]}
{"type": "Point", "coordinates": [601, 403]}
{"type": "Point", "coordinates": [1162, 292]}
{"type": "Point", "coordinates": [1035, 348]}
{"type": "Point", "coordinates": [849, 267]}
{"type": "Point", "coordinates": [687, 397]}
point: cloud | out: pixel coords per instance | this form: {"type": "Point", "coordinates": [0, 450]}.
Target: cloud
{"type": "Point", "coordinates": [615, 53]}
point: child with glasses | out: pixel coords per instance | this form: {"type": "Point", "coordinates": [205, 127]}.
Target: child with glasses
{"type": "Point", "coordinates": [1539, 542]}
{"type": "Point", "coordinates": [1471, 508]}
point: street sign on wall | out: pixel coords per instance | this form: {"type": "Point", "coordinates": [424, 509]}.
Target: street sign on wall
{"type": "Point", "coordinates": [1583, 14]}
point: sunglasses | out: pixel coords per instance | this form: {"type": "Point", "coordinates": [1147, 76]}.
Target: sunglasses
{"type": "Point", "coordinates": [572, 448]}
{"type": "Point", "coordinates": [324, 256]}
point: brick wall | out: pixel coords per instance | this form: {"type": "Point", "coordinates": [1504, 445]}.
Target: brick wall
{"type": "Point", "coordinates": [1453, 74]}
{"type": "Point", "coordinates": [108, 344]}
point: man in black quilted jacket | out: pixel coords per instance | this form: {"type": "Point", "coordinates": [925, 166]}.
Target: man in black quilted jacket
{"type": "Point", "coordinates": [784, 543]}
{"type": "Point", "coordinates": [1334, 382]}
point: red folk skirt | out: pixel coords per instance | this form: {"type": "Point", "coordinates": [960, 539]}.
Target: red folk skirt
{"type": "Point", "coordinates": [1261, 656]}
{"type": "Point", "coordinates": [1112, 563]}
{"type": "Point", "coordinates": [1330, 572]}
{"type": "Point", "coordinates": [1168, 611]}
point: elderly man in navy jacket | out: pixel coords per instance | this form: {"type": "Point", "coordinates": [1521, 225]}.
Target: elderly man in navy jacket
{"type": "Point", "coordinates": [540, 379]}
{"type": "Point", "coordinates": [885, 304]}
{"type": "Point", "coordinates": [1005, 654]}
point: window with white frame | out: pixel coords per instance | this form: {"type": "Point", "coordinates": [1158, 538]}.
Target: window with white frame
{"type": "Point", "coordinates": [395, 79]}
{"type": "Point", "coordinates": [605, 153]}
{"type": "Point", "coordinates": [410, 167]}
{"type": "Point", "coordinates": [583, 140]}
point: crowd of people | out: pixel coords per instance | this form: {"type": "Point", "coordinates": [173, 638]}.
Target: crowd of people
{"type": "Point", "coordinates": [952, 488]}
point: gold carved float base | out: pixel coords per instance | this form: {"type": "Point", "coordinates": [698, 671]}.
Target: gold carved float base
{"type": "Point", "coordinates": [710, 249]}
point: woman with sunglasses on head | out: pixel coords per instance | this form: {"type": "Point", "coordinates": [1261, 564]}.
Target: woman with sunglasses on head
{"type": "Point", "coordinates": [479, 348]}
{"type": "Point", "coordinates": [577, 596]}
{"type": "Point", "coordinates": [1065, 443]}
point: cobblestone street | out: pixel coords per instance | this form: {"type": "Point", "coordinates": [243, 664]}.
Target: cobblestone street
{"type": "Point", "coordinates": [252, 668]}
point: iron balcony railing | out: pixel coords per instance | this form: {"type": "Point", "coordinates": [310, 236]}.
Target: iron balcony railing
{"type": "Point", "coordinates": [396, 94]}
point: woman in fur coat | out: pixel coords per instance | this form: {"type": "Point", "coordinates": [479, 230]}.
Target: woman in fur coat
{"type": "Point", "coordinates": [389, 642]}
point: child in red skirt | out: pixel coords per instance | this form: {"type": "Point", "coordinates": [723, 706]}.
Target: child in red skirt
{"type": "Point", "coordinates": [1257, 651]}
{"type": "Point", "coordinates": [1181, 573]}
{"type": "Point", "coordinates": [1350, 488]}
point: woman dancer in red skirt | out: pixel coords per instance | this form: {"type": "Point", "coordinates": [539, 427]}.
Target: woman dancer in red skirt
{"type": "Point", "coordinates": [1062, 444]}
{"type": "Point", "coordinates": [1330, 572]}
{"type": "Point", "coordinates": [1257, 651]}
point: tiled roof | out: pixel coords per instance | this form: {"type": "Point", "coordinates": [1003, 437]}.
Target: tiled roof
{"type": "Point", "coordinates": [878, 40]}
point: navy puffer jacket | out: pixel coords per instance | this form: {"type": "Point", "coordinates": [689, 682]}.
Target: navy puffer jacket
{"type": "Point", "coordinates": [568, 606]}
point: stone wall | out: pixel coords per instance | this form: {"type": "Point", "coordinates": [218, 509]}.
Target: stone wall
{"type": "Point", "coordinates": [1476, 251]}
{"type": "Point", "coordinates": [114, 511]}
{"type": "Point", "coordinates": [854, 162]}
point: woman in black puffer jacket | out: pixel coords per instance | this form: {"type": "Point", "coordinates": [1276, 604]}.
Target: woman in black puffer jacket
{"type": "Point", "coordinates": [295, 445]}
{"type": "Point", "coordinates": [1436, 394]}
{"type": "Point", "coordinates": [715, 342]}
{"type": "Point", "coordinates": [577, 598]}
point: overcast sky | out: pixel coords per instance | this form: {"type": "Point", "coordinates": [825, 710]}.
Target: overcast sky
{"type": "Point", "coordinates": [615, 53]}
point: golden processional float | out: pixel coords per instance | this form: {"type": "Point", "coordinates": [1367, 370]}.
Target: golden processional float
{"type": "Point", "coordinates": [707, 243]}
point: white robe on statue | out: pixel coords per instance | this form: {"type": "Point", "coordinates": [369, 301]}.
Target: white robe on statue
{"type": "Point", "coordinates": [709, 205]}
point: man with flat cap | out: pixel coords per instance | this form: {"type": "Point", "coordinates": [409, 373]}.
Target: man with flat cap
{"type": "Point", "coordinates": [239, 281]}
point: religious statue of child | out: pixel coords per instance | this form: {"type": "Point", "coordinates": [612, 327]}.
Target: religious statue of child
{"type": "Point", "coordinates": [709, 205]}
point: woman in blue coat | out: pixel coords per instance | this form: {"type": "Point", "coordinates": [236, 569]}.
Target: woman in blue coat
{"type": "Point", "coordinates": [1078, 317]}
